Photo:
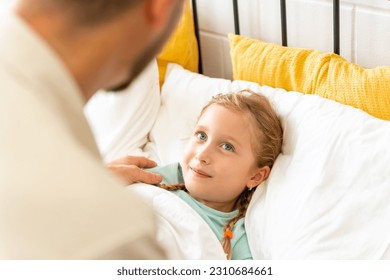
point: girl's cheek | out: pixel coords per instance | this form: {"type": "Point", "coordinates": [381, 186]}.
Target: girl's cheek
{"type": "Point", "coordinates": [187, 156]}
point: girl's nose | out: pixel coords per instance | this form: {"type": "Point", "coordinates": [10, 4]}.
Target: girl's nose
{"type": "Point", "coordinates": [203, 154]}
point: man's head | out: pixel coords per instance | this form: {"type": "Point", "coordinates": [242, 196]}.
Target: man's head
{"type": "Point", "coordinates": [104, 43]}
{"type": "Point", "coordinates": [152, 49]}
{"type": "Point", "coordinates": [90, 12]}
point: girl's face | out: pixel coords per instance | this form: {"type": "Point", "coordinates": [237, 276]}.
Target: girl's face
{"type": "Point", "coordinates": [219, 162]}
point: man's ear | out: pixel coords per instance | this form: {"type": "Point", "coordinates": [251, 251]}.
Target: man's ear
{"type": "Point", "coordinates": [259, 176]}
{"type": "Point", "coordinates": [157, 12]}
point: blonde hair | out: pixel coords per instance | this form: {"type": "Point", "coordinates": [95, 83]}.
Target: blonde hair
{"type": "Point", "coordinates": [266, 144]}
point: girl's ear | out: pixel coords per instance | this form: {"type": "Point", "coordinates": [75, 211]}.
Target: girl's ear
{"type": "Point", "coordinates": [260, 175]}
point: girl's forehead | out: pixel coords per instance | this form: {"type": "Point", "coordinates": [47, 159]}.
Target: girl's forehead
{"type": "Point", "coordinates": [232, 121]}
{"type": "Point", "coordinates": [226, 120]}
{"type": "Point", "coordinates": [220, 112]}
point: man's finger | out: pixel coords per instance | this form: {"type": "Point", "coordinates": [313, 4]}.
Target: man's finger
{"type": "Point", "coordinates": [139, 175]}
{"type": "Point", "coordinates": [141, 162]}
{"type": "Point", "coordinates": [144, 162]}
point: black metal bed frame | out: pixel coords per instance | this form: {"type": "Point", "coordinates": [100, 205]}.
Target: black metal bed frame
{"type": "Point", "coordinates": [283, 19]}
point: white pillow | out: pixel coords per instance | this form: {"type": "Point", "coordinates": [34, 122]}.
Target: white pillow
{"type": "Point", "coordinates": [328, 194]}
{"type": "Point", "coordinates": [121, 121]}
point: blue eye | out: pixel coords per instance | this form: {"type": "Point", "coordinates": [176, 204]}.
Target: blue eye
{"type": "Point", "coordinates": [201, 136]}
{"type": "Point", "coordinates": [228, 147]}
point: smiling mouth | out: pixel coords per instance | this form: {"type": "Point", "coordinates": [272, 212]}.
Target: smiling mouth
{"type": "Point", "coordinates": [200, 173]}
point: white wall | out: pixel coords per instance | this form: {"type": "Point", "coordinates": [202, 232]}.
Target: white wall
{"type": "Point", "coordinates": [364, 31]}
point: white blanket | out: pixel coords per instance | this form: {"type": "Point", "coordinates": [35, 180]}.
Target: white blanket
{"type": "Point", "coordinates": [181, 231]}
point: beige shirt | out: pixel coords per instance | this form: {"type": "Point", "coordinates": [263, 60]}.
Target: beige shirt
{"type": "Point", "coordinates": [57, 200]}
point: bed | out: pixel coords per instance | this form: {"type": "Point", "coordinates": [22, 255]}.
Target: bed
{"type": "Point", "coordinates": [328, 193]}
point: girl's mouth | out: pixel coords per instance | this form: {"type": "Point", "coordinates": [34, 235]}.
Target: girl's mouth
{"type": "Point", "coordinates": [200, 173]}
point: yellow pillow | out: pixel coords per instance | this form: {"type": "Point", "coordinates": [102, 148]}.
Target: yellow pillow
{"type": "Point", "coordinates": [309, 71]}
{"type": "Point", "coordinates": [182, 47]}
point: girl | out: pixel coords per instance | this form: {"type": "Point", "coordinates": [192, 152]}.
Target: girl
{"type": "Point", "coordinates": [231, 151]}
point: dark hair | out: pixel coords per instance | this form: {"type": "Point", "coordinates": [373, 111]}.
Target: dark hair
{"type": "Point", "coordinates": [89, 12]}
{"type": "Point", "coordinates": [266, 144]}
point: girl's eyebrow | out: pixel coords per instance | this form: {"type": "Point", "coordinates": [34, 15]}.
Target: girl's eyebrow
{"type": "Point", "coordinates": [200, 127]}
{"type": "Point", "coordinates": [229, 138]}
{"type": "Point", "coordinates": [226, 137]}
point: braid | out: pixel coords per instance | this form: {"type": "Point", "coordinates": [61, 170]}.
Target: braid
{"type": "Point", "coordinates": [243, 203]}
{"type": "Point", "coordinates": [172, 187]}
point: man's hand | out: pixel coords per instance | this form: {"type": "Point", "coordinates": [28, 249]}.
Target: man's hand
{"type": "Point", "coordinates": [129, 168]}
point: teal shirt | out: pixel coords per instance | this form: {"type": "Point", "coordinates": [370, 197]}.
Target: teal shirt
{"type": "Point", "coordinates": [171, 173]}
{"type": "Point", "coordinates": [215, 219]}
